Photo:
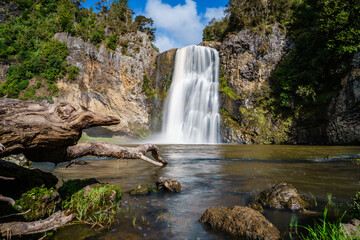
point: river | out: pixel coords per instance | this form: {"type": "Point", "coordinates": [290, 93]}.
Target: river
{"type": "Point", "coordinates": [213, 175]}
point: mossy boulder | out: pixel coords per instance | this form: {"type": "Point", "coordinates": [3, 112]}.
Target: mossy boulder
{"type": "Point", "coordinates": [241, 222]}
{"type": "Point", "coordinates": [74, 185]}
{"type": "Point", "coordinates": [41, 202]}
{"type": "Point", "coordinates": [143, 190]}
{"type": "Point", "coordinates": [95, 203]}
{"type": "Point", "coordinates": [281, 196]}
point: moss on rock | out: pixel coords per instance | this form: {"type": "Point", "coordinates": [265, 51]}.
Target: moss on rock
{"type": "Point", "coordinates": [143, 190]}
{"type": "Point", "coordinates": [41, 202]}
{"type": "Point", "coordinates": [95, 203]}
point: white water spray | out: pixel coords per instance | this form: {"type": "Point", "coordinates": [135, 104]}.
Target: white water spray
{"type": "Point", "coordinates": [191, 112]}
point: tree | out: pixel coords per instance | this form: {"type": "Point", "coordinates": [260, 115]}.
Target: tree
{"type": "Point", "coordinates": [145, 24]}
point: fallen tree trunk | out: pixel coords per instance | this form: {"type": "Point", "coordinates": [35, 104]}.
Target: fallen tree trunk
{"type": "Point", "coordinates": [39, 129]}
{"type": "Point", "coordinates": [48, 133]}
{"type": "Point", "coordinates": [116, 151]}
{"type": "Point", "coordinates": [56, 220]}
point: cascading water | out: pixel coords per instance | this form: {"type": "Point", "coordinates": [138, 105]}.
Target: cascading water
{"type": "Point", "coordinates": [191, 112]}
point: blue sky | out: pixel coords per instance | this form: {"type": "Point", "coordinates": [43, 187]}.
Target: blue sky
{"type": "Point", "coordinates": [179, 23]}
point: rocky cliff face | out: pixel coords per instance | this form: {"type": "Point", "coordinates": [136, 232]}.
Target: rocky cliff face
{"type": "Point", "coordinates": [247, 60]}
{"type": "Point", "coordinates": [111, 82]}
{"type": "Point", "coordinates": [344, 110]}
{"type": "Point", "coordinates": [158, 86]}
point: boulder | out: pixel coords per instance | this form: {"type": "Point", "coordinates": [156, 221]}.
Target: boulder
{"type": "Point", "coordinates": [281, 196]}
{"type": "Point", "coordinates": [168, 184]}
{"type": "Point", "coordinates": [39, 202]}
{"type": "Point", "coordinates": [352, 228]}
{"type": "Point", "coordinates": [239, 221]}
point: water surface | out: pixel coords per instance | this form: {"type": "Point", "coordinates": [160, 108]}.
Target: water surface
{"type": "Point", "coordinates": [214, 175]}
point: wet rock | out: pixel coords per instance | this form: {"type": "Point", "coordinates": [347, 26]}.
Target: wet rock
{"type": "Point", "coordinates": [168, 184]}
{"type": "Point", "coordinates": [142, 190]}
{"type": "Point", "coordinates": [40, 202]}
{"type": "Point", "coordinates": [158, 87]}
{"type": "Point", "coordinates": [25, 179]}
{"type": "Point", "coordinates": [281, 196]}
{"type": "Point", "coordinates": [74, 185]}
{"type": "Point", "coordinates": [241, 222]}
{"type": "Point", "coordinates": [352, 228]}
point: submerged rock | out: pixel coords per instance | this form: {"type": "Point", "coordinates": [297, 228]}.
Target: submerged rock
{"type": "Point", "coordinates": [241, 222]}
{"type": "Point", "coordinates": [281, 196]}
{"type": "Point", "coordinates": [168, 184]}
{"type": "Point", "coordinates": [142, 190]}
{"type": "Point", "coordinates": [40, 202]}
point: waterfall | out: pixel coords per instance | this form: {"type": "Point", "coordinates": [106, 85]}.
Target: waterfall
{"type": "Point", "coordinates": [191, 112]}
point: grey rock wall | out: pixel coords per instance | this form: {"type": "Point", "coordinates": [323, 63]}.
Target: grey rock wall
{"type": "Point", "coordinates": [110, 82]}
{"type": "Point", "coordinates": [344, 110]}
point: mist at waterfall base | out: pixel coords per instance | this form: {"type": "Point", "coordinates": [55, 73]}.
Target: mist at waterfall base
{"type": "Point", "coordinates": [191, 110]}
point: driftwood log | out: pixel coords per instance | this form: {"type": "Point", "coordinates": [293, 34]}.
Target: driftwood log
{"type": "Point", "coordinates": [56, 220]}
{"type": "Point", "coordinates": [112, 150]}
{"type": "Point", "coordinates": [43, 131]}
{"type": "Point", "coordinates": [48, 133]}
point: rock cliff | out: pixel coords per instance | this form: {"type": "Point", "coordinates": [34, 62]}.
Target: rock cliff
{"type": "Point", "coordinates": [157, 87]}
{"type": "Point", "coordinates": [247, 60]}
{"type": "Point", "coordinates": [344, 109]}
{"type": "Point", "coordinates": [111, 82]}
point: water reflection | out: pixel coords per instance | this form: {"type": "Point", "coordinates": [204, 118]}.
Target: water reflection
{"type": "Point", "coordinates": [217, 175]}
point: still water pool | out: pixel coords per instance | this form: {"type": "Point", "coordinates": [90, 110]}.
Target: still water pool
{"type": "Point", "coordinates": [213, 175]}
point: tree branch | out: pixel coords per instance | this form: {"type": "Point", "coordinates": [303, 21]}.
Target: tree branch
{"type": "Point", "coordinates": [6, 178]}
{"type": "Point", "coordinates": [7, 199]}
{"type": "Point", "coordinates": [56, 220]}
{"type": "Point", "coordinates": [116, 151]}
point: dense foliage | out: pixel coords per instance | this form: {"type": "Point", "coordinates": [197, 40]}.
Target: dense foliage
{"type": "Point", "coordinates": [326, 36]}
{"type": "Point", "coordinates": [37, 60]}
{"type": "Point", "coordinates": [257, 15]}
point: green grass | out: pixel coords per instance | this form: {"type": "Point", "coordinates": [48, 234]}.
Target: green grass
{"type": "Point", "coordinates": [95, 205]}
{"type": "Point", "coordinates": [86, 138]}
{"type": "Point", "coordinates": [323, 230]}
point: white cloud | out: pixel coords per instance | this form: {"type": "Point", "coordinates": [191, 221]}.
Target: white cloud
{"type": "Point", "coordinates": [165, 43]}
{"type": "Point", "coordinates": [217, 13]}
{"type": "Point", "coordinates": [180, 24]}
